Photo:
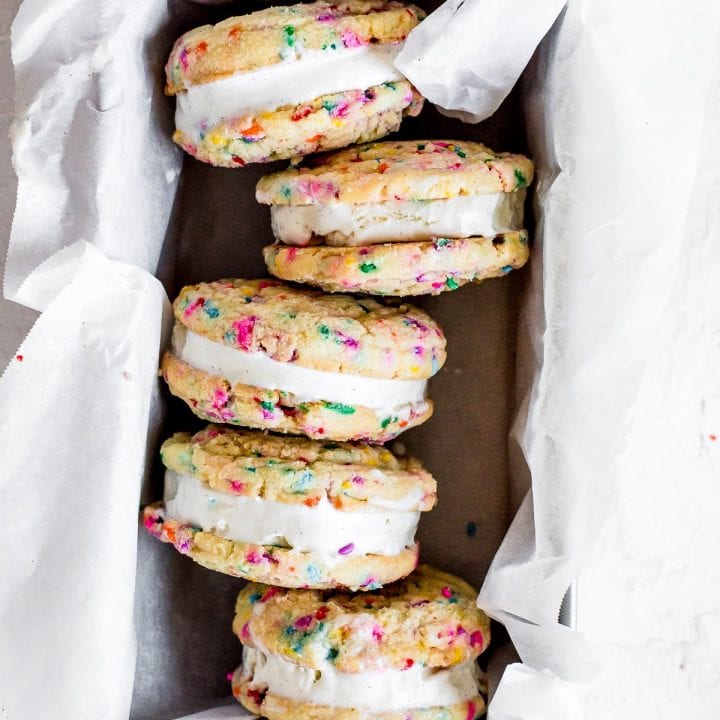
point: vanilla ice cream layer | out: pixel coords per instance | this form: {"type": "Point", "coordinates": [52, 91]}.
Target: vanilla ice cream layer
{"type": "Point", "coordinates": [260, 370]}
{"type": "Point", "coordinates": [303, 77]}
{"type": "Point", "coordinates": [416, 687]}
{"type": "Point", "coordinates": [321, 529]}
{"type": "Point", "coordinates": [345, 224]}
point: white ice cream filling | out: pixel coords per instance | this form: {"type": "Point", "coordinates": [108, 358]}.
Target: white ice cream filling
{"type": "Point", "coordinates": [258, 369]}
{"type": "Point", "coordinates": [345, 224]}
{"type": "Point", "coordinates": [302, 77]}
{"type": "Point", "coordinates": [321, 529]}
{"type": "Point", "coordinates": [416, 687]}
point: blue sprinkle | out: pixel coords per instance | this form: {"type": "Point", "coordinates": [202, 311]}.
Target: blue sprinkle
{"type": "Point", "coordinates": [507, 268]}
{"type": "Point", "coordinates": [211, 309]}
{"type": "Point", "coordinates": [255, 597]}
{"type": "Point", "coordinates": [471, 529]}
{"type": "Point", "coordinates": [303, 482]}
{"type": "Point", "coordinates": [313, 574]}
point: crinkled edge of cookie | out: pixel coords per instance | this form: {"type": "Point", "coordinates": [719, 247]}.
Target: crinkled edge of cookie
{"type": "Point", "coordinates": [402, 170]}
{"type": "Point", "coordinates": [294, 470]}
{"type": "Point", "coordinates": [247, 42]}
{"type": "Point", "coordinates": [400, 269]}
{"type": "Point", "coordinates": [316, 330]}
{"type": "Point", "coordinates": [429, 617]}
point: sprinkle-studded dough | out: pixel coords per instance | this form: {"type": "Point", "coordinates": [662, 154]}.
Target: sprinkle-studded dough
{"type": "Point", "coordinates": [399, 170]}
{"type": "Point", "coordinates": [430, 617]}
{"type": "Point", "coordinates": [325, 123]}
{"type": "Point", "coordinates": [295, 470]}
{"type": "Point", "coordinates": [407, 268]}
{"type": "Point", "coordinates": [274, 565]}
{"type": "Point", "coordinates": [273, 35]}
{"type": "Point", "coordinates": [213, 398]}
{"type": "Point", "coordinates": [333, 333]}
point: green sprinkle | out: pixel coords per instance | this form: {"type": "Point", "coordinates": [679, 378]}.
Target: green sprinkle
{"type": "Point", "coordinates": [450, 282]}
{"type": "Point", "coordinates": [441, 242]}
{"type": "Point", "coordinates": [286, 192]}
{"type": "Point", "coordinates": [368, 267]}
{"type": "Point", "coordinates": [289, 31]}
{"type": "Point", "coordinates": [332, 653]}
{"type": "Point", "coordinates": [421, 146]}
{"type": "Point", "coordinates": [385, 422]}
{"type": "Point", "coordinates": [265, 405]}
{"type": "Point", "coordinates": [324, 330]}
{"type": "Point", "coordinates": [250, 469]}
{"type": "Point", "coordinates": [340, 408]}
{"type": "Point", "coordinates": [459, 152]}
{"type": "Point", "coordinates": [520, 178]}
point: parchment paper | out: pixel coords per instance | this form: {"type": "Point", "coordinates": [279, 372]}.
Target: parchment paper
{"type": "Point", "coordinates": [78, 423]}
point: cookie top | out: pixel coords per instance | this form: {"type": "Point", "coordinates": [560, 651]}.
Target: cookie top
{"type": "Point", "coordinates": [430, 617]}
{"type": "Point", "coordinates": [296, 470]}
{"type": "Point", "coordinates": [333, 333]}
{"type": "Point", "coordinates": [399, 170]}
{"type": "Point", "coordinates": [278, 34]}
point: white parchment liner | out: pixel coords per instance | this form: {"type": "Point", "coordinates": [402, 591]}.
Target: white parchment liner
{"type": "Point", "coordinates": [97, 181]}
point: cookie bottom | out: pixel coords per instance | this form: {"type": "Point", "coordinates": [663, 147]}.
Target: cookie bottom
{"type": "Point", "coordinates": [326, 123]}
{"type": "Point", "coordinates": [275, 565]}
{"type": "Point", "coordinates": [403, 268]}
{"type": "Point", "coordinates": [276, 707]}
{"type": "Point", "coordinates": [213, 398]}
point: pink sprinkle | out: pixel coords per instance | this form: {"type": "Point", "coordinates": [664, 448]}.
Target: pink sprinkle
{"type": "Point", "coordinates": [340, 110]}
{"type": "Point", "coordinates": [237, 486]}
{"type": "Point", "coordinates": [229, 676]}
{"type": "Point", "coordinates": [220, 399]}
{"type": "Point", "coordinates": [244, 331]}
{"type": "Point", "coordinates": [304, 622]}
{"type": "Point", "coordinates": [461, 630]}
{"type": "Point", "coordinates": [446, 592]}
{"type": "Point", "coordinates": [150, 522]}
{"type": "Point", "coordinates": [254, 557]}
{"type": "Point", "coordinates": [377, 634]}
{"type": "Point", "coordinates": [346, 340]}
{"type": "Point", "coordinates": [476, 638]}
{"type": "Point", "coordinates": [437, 285]}
{"type": "Point", "coordinates": [327, 17]}
{"type": "Point", "coordinates": [347, 549]}
{"type": "Point", "coordinates": [471, 711]}
{"type": "Point", "coordinates": [350, 39]}
{"type": "Point", "coordinates": [266, 283]}
{"type": "Point", "coordinates": [193, 306]}
{"type": "Point", "coordinates": [267, 415]}
{"type": "Point", "coordinates": [358, 480]}
{"type": "Point", "coordinates": [419, 350]}
{"type": "Point", "coordinates": [271, 593]}
{"type": "Point", "coordinates": [291, 253]}
{"type": "Point", "coordinates": [183, 58]}
{"type": "Point", "coordinates": [245, 631]}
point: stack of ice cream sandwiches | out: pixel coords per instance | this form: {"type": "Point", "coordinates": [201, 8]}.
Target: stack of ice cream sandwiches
{"type": "Point", "coordinates": [289, 487]}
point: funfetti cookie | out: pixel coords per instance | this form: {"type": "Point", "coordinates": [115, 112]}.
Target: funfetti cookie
{"type": "Point", "coordinates": [406, 652]}
{"type": "Point", "coordinates": [266, 355]}
{"type": "Point", "coordinates": [291, 511]}
{"type": "Point", "coordinates": [287, 81]}
{"type": "Point", "coordinates": [398, 217]}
